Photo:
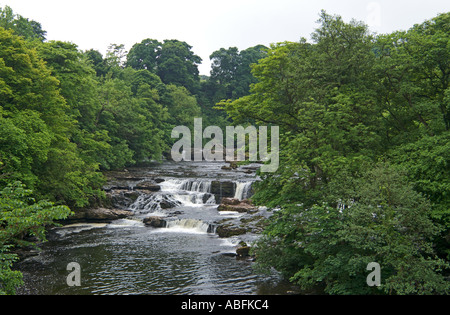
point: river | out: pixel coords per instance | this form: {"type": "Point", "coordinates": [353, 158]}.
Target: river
{"type": "Point", "coordinates": [185, 257]}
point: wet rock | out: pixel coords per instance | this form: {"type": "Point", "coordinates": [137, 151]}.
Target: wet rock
{"type": "Point", "coordinates": [230, 201]}
{"type": "Point", "coordinates": [120, 198]}
{"type": "Point", "coordinates": [156, 222]}
{"type": "Point", "coordinates": [231, 204]}
{"type": "Point", "coordinates": [148, 186]}
{"type": "Point", "coordinates": [229, 254]}
{"type": "Point", "coordinates": [243, 251]}
{"type": "Point", "coordinates": [100, 214]}
{"type": "Point", "coordinates": [222, 189]}
{"type": "Point", "coordinates": [228, 230]}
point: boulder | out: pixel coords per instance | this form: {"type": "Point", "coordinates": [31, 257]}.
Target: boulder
{"type": "Point", "coordinates": [228, 231]}
{"type": "Point", "coordinates": [243, 251]}
{"type": "Point", "coordinates": [156, 222]}
{"type": "Point", "coordinates": [231, 204]}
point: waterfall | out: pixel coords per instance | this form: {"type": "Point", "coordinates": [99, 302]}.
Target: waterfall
{"type": "Point", "coordinates": [175, 193]}
{"type": "Point", "coordinates": [195, 185]}
{"type": "Point", "coordinates": [190, 225]}
{"type": "Point", "coordinates": [242, 190]}
{"type": "Point", "coordinates": [154, 203]}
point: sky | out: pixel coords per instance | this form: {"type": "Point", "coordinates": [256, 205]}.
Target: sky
{"type": "Point", "coordinates": [208, 25]}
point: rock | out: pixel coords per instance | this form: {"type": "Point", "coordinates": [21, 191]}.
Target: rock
{"type": "Point", "coordinates": [229, 254]}
{"type": "Point", "coordinates": [156, 222]}
{"type": "Point", "coordinates": [120, 198]}
{"type": "Point", "coordinates": [231, 204]}
{"type": "Point", "coordinates": [167, 203]}
{"type": "Point", "coordinates": [222, 189]}
{"type": "Point", "coordinates": [243, 251]}
{"type": "Point", "coordinates": [227, 231]}
{"type": "Point", "coordinates": [230, 201]}
{"type": "Point", "coordinates": [147, 185]}
{"type": "Point", "coordinates": [100, 214]}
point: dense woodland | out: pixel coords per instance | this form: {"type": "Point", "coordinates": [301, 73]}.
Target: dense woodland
{"type": "Point", "coordinates": [364, 135]}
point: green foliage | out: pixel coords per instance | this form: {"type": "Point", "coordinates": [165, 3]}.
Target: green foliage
{"type": "Point", "coordinates": [173, 61]}
{"type": "Point", "coordinates": [65, 115]}
{"type": "Point", "coordinates": [21, 26]}
{"type": "Point", "coordinates": [183, 106]}
{"type": "Point", "coordinates": [21, 216]}
{"type": "Point", "coordinates": [344, 102]}
{"type": "Point", "coordinates": [144, 55]}
{"type": "Point", "coordinates": [377, 218]}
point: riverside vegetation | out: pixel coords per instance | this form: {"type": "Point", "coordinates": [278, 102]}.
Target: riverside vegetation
{"type": "Point", "coordinates": [364, 141]}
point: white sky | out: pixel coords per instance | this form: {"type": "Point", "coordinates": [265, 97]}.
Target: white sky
{"type": "Point", "coordinates": [209, 25]}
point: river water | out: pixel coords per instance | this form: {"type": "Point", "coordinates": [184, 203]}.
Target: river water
{"type": "Point", "coordinates": [127, 257]}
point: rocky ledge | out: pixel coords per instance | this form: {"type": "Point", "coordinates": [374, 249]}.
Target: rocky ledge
{"type": "Point", "coordinates": [232, 204]}
{"type": "Point", "coordinates": [252, 219]}
{"type": "Point", "coordinates": [99, 215]}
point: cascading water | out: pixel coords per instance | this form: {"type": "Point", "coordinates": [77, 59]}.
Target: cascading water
{"type": "Point", "coordinates": [243, 190]}
{"type": "Point", "coordinates": [190, 225]}
{"type": "Point", "coordinates": [175, 193]}
{"type": "Point", "coordinates": [185, 196]}
{"type": "Point", "coordinates": [128, 256]}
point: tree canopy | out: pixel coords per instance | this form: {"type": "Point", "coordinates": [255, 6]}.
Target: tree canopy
{"type": "Point", "coordinates": [345, 102]}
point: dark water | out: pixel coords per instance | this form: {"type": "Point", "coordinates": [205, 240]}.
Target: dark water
{"type": "Point", "coordinates": [127, 257]}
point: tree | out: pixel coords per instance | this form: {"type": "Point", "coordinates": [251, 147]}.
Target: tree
{"type": "Point", "coordinates": [173, 61]}
{"type": "Point", "coordinates": [144, 55]}
{"type": "Point", "coordinates": [342, 103]}
{"type": "Point", "coordinates": [414, 100]}
{"type": "Point", "coordinates": [77, 80]}
{"type": "Point", "coordinates": [32, 111]}
{"type": "Point", "coordinates": [20, 216]}
{"type": "Point", "coordinates": [36, 114]}
{"type": "Point", "coordinates": [321, 96]}
{"type": "Point", "coordinates": [224, 65]}
{"type": "Point", "coordinates": [97, 62]}
{"type": "Point", "coordinates": [130, 121]}
{"type": "Point", "coordinates": [376, 217]}
{"type": "Point", "coordinates": [21, 26]}
{"type": "Point", "coordinates": [231, 70]}
{"type": "Point", "coordinates": [183, 107]}
{"type": "Point", "coordinates": [178, 65]}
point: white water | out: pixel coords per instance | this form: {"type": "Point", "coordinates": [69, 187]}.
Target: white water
{"type": "Point", "coordinates": [188, 226]}
{"type": "Point", "coordinates": [242, 190]}
{"type": "Point", "coordinates": [190, 196]}
{"type": "Point", "coordinates": [175, 193]}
